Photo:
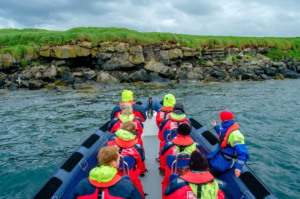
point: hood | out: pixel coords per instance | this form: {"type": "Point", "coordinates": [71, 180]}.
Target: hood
{"type": "Point", "coordinates": [125, 135]}
{"type": "Point", "coordinates": [127, 96]}
{"type": "Point", "coordinates": [169, 100]}
{"type": "Point", "coordinates": [126, 118]}
{"type": "Point", "coordinates": [103, 173]}
{"type": "Point", "coordinates": [177, 117]}
{"type": "Point", "coordinates": [178, 108]}
{"type": "Point", "coordinates": [225, 126]}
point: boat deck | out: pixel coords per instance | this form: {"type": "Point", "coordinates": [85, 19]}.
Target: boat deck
{"type": "Point", "coordinates": [152, 180]}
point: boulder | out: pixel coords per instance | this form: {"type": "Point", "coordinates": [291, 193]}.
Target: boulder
{"type": "Point", "coordinates": [35, 85]}
{"type": "Point", "coordinates": [290, 74]}
{"type": "Point", "coordinates": [165, 47]}
{"type": "Point", "coordinates": [25, 84]}
{"type": "Point", "coordinates": [269, 71]}
{"type": "Point", "coordinates": [61, 71]}
{"type": "Point", "coordinates": [175, 54]}
{"type": "Point", "coordinates": [50, 74]}
{"type": "Point", "coordinates": [188, 49]}
{"type": "Point", "coordinates": [148, 53]}
{"type": "Point", "coordinates": [105, 78]}
{"type": "Point", "coordinates": [227, 61]}
{"type": "Point", "coordinates": [59, 62]}
{"type": "Point", "coordinates": [63, 52]}
{"type": "Point", "coordinates": [120, 76]}
{"type": "Point", "coordinates": [13, 87]}
{"type": "Point", "coordinates": [122, 47]}
{"type": "Point", "coordinates": [188, 54]}
{"type": "Point", "coordinates": [252, 67]}
{"type": "Point", "coordinates": [219, 74]}
{"type": "Point", "coordinates": [158, 67]}
{"type": "Point", "coordinates": [81, 51]}
{"type": "Point", "coordinates": [186, 65]}
{"type": "Point", "coordinates": [8, 60]}
{"type": "Point", "coordinates": [236, 73]}
{"type": "Point", "coordinates": [165, 54]}
{"type": "Point", "coordinates": [89, 75]}
{"type": "Point", "coordinates": [141, 75]}
{"type": "Point", "coordinates": [280, 65]}
{"type": "Point", "coordinates": [265, 77]}
{"type": "Point", "coordinates": [209, 64]}
{"type": "Point", "coordinates": [158, 79]}
{"type": "Point", "coordinates": [247, 76]}
{"type": "Point", "coordinates": [27, 74]}
{"type": "Point", "coordinates": [137, 58]}
{"type": "Point", "coordinates": [2, 83]}
{"type": "Point", "coordinates": [262, 50]}
{"type": "Point", "coordinates": [86, 44]}
{"type": "Point", "coordinates": [38, 75]}
{"type": "Point", "coordinates": [45, 53]}
{"type": "Point", "coordinates": [136, 49]}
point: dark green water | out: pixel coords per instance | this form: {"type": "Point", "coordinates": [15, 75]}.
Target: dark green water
{"type": "Point", "coordinates": [40, 129]}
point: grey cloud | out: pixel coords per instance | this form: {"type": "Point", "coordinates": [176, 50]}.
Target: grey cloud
{"type": "Point", "coordinates": [197, 17]}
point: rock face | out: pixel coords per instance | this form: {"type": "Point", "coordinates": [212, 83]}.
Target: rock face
{"type": "Point", "coordinates": [35, 85]}
{"type": "Point", "coordinates": [141, 75]}
{"type": "Point", "coordinates": [50, 74]}
{"type": "Point", "coordinates": [158, 67]}
{"type": "Point", "coordinates": [105, 78]}
{"type": "Point", "coordinates": [219, 74]}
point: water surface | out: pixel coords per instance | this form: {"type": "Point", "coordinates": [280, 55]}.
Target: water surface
{"type": "Point", "coordinates": [40, 129]}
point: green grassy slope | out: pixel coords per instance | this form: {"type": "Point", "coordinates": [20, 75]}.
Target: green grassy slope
{"type": "Point", "coordinates": [19, 42]}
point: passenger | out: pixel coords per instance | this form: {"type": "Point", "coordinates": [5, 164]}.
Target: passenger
{"type": "Point", "coordinates": [128, 127]}
{"type": "Point", "coordinates": [128, 145]}
{"type": "Point", "coordinates": [182, 143]}
{"type": "Point", "coordinates": [194, 181]}
{"type": "Point", "coordinates": [126, 116]}
{"type": "Point", "coordinates": [177, 116]}
{"type": "Point", "coordinates": [104, 180]}
{"type": "Point", "coordinates": [127, 97]}
{"type": "Point", "coordinates": [232, 151]}
{"type": "Point", "coordinates": [164, 112]}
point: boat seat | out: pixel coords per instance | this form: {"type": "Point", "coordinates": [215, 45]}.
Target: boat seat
{"type": "Point", "coordinates": [177, 162]}
{"type": "Point", "coordinates": [170, 134]}
{"type": "Point", "coordinates": [126, 163]}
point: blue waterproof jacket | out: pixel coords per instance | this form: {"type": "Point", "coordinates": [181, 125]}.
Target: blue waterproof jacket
{"type": "Point", "coordinates": [220, 159]}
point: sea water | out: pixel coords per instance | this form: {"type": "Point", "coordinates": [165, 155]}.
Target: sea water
{"type": "Point", "coordinates": [40, 129]}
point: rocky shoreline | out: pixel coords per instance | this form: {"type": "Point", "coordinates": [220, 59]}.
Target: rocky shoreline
{"type": "Point", "coordinates": [84, 66]}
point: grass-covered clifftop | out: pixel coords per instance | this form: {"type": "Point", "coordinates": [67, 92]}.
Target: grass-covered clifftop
{"type": "Point", "coordinates": [19, 42]}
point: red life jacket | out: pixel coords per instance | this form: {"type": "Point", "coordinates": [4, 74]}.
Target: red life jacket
{"type": "Point", "coordinates": [222, 140]}
{"type": "Point", "coordinates": [163, 114]}
{"type": "Point", "coordinates": [198, 178]}
{"type": "Point", "coordinates": [182, 141]}
{"type": "Point", "coordinates": [119, 124]}
{"type": "Point", "coordinates": [103, 187]}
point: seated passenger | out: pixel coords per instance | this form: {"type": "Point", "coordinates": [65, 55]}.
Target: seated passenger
{"type": "Point", "coordinates": [177, 116]}
{"type": "Point", "coordinates": [164, 112]}
{"type": "Point", "coordinates": [194, 181]}
{"type": "Point", "coordinates": [127, 144]}
{"type": "Point", "coordinates": [182, 143]}
{"type": "Point", "coordinates": [127, 132]}
{"type": "Point", "coordinates": [104, 180]}
{"type": "Point", "coordinates": [231, 151]}
{"type": "Point", "coordinates": [126, 116]}
{"type": "Point", "coordinates": [127, 97]}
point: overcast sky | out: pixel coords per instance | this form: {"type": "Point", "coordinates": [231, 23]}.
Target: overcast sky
{"type": "Point", "coordinates": [197, 17]}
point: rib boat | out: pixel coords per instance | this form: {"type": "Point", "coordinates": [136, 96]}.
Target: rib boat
{"type": "Point", "coordinates": [77, 167]}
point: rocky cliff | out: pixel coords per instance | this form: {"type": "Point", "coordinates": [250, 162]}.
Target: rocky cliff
{"type": "Point", "coordinates": [113, 62]}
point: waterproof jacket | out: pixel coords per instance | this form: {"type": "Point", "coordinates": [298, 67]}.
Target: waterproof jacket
{"type": "Point", "coordinates": [162, 114]}
{"type": "Point", "coordinates": [132, 148]}
{"type": "Point", "coordinates": [172, 122]}
{"type": "Point", "coordinates": [189, 185]}
{"type": "Point", "coordinates": [115, 188]}
{"type": "Point", "coordinates": [235, 154]}
{"type": "Point", "coordinates": [171, 148]}
{"type": "Point", "coordinates": [138, 111]}
{"type": "Point", "coordinates": [117, 123]}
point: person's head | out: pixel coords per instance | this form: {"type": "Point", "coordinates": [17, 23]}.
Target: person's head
{"type": "Point", "coordinates": [198, 162]}
{"type": "Point", "coordinates": [126, 108]}
{"type": "Point", "coordinates": [169, 100]}
{"type": "Point", "coordinates": [109, 156]}
{"type": "Point", "coordinates": [184, 129]}
{"type": "Point", "coordinates": [127, 96]}
{"type": "Point", "coordinates": [226, 115]}
{"type": "Point", "coordinates": [130, 127]}
{"type": "Point", "coordinates": [178, 108]}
